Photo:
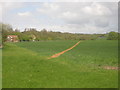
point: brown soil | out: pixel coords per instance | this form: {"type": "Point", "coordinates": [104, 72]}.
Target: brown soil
{"type": "Point", "coordinates": [111, 68]}
{"type": "Point", "coordinates": [58, 54]}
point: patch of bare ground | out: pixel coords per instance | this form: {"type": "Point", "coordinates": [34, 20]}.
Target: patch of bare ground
{"type": "Point", "coordinates": [111, 68]}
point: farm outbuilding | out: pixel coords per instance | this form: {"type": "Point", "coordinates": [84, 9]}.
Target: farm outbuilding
{"type": "Point", "coordinates": [12, 38]}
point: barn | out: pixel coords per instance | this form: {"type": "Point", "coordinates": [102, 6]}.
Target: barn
{"type": "Point", "coordinates": [12, 38]}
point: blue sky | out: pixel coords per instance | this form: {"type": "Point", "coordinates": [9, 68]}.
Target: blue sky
{"type": "Point", "coordinates": [74, 17]}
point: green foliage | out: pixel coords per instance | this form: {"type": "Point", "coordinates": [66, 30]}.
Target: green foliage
{"type": "Point", "coordinates": [0, 33]}
{"type": "Point", "coordinates": [5, 30]}
{"type": "Point", "coordinates": [28, 33]}
{"type": "Point", "coordinates": [112, 36]}
{"type": "Point", "coordinates": [118, 36]}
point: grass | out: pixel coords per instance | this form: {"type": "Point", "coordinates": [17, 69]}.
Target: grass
{"type": "Point", "coordinates": [25, 64]}
{"type": "Point", "coordinates": [0, 68]}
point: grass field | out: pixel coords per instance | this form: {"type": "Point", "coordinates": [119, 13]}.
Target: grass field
{"type": "Point", "coordinates": [0, 68]}
{"type": "Point", "coordinates": [25, 64]}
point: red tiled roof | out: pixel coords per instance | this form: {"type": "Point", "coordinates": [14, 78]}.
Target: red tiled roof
{"type": "Point", "coordinates": [12, 36]}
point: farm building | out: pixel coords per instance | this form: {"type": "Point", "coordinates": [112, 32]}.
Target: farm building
{"type": "Point", "coordinates": [12, 38]}
{"type": "Point", "coordinates": [33, 37]}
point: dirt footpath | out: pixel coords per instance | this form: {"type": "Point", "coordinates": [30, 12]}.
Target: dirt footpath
{"type": "Point", "coordinates": [58, 54]}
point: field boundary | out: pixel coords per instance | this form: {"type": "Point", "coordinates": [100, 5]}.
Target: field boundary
{"type": "Point", "coordinates": [58, 54]}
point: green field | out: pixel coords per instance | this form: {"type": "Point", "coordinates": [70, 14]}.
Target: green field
{"type": "Point", "coordinates": [0, 68]}
{"type": "Point", "coordinates": [25, 64]}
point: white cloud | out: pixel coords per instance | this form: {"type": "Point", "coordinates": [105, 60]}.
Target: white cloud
{"type": "Point", "coordinates": [75, 28]}
{"type": "Point", "coordinates": [69, 15]}
{"type": "Point", "coordinates": [11, 5]}
{"type": "Point", "coordinates": [1, 12]}
{"type": "Point", "coordinates": [5, 7]}
{"type": "Point", "coordinates": [59, 0]}
{"type": "Point", "coordinates": [76, 12]}
{"type": "Point", "coordinates": [86, 0]}
{"type": "Point", "coordinates": [51, 6]}
{"type": "Point", "coordinates": [24, 14]}
{"type": "Point", "coordinates": [87, 17]}
{"type": "Point", "coordinates": [96, 9]}
{"type": "Point", "coordinates": [48, 6]}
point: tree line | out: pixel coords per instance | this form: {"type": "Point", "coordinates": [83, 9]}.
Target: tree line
{"type": "Point", "coordinates": [29, 33]}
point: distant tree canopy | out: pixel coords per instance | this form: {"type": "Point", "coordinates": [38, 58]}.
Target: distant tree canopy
{"type": "Point", "coordinates": [5, 29]}
{"type": "Point", "coordinates": [112, 36]}
{"type": "Point", "coordinates": [31, 34]}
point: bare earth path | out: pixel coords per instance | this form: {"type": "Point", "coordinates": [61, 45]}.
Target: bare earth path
{"type": "Point", "coordinates": [111, 68]}
{"type": "Point", "coordinates": [58, 54]}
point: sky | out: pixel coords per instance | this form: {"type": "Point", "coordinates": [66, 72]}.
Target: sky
{"type": "Point", "coordinates": [65, 16]}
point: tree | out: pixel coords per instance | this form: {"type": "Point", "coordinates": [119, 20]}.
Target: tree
{"type": "Point", "coordinates": [112, 36]}
{"type": "Point", "coordinates": [5, 29]}
{"type": "Point", "coordinates": [17, 30]}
